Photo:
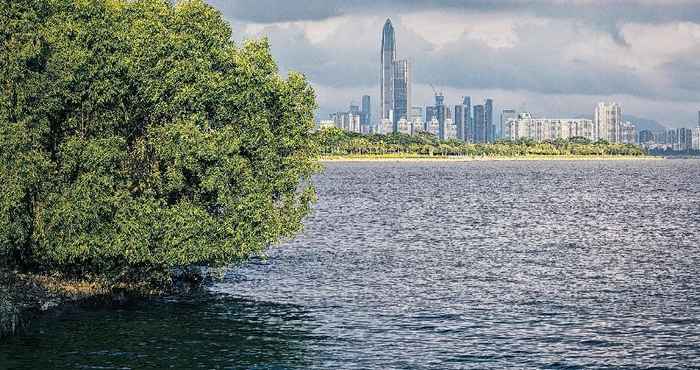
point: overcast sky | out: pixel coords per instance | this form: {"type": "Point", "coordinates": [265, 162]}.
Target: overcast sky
{"type": "Point", "coordinates": [550, 57]}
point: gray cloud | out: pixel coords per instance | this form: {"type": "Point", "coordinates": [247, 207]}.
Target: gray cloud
{"type": "Point", "coordinates": [346, 59]}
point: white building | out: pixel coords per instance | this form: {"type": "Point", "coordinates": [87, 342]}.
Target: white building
{"type": "Point", "coordinates": [628, 133]}
{"type": "Point", "coordinates": [541, 129]}
{"type": "Point", "coordinates": [608, 122]}
{"type": "Point", "coordinates": [416, 125]}
{"type": "Point", "coordinates": [450, 129]}
{"type": "Point", "coordinates": [386, 127]}
{"type": "Point", "coordinates": [404, 126]}
{"type": "Point", "coordinates": [434, 126]}
{"type": "Point", "coordinates": [696, 138]}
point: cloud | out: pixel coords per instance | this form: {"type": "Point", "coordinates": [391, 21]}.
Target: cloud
{"type": "Point", "coordinates": [547, 50]}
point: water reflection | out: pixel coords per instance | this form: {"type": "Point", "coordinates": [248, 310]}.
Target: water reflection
{"type": "Point", "coordinates": [208, 331]}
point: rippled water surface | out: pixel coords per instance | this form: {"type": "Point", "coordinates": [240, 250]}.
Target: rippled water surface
{"type": "Point", "coordinates": [436, 265]}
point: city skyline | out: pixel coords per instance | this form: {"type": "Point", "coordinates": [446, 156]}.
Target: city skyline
{"type": "Point", "coordinates": [638, 53]}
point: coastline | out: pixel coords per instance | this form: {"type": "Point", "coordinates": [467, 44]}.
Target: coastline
{"type": "Point", "coordinates": [425, 158]}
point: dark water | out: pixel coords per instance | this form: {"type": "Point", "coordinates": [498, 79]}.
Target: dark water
{"type": "Point", "coordinates": [436, 265]}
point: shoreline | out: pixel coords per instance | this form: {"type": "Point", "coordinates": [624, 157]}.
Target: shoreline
{"type": "Point", "coordinates": [26, 297]}
{"type": "Point", "coordinates": [425, 158]}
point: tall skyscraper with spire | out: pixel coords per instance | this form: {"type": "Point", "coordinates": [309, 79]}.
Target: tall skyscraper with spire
{"type": "Point", "coordinates": [386, 78]}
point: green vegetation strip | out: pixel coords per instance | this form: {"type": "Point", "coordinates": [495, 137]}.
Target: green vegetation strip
{"type": "Point", "coordinates": [338, 143]}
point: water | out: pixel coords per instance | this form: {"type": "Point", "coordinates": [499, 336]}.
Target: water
{"type": "Point", "coordinates": [436, 265]}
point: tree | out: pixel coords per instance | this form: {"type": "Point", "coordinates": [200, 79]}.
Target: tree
{"type": "Point", "coordinates": [136, 137]}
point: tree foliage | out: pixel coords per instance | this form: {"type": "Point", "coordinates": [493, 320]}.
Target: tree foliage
{"type": "Point", "coordinates": [135, 137]}
{"type": "Point", "coordinates": [334, 141]}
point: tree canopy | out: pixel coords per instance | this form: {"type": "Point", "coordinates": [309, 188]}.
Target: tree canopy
{"type": "Point", "coordinates": [136, 137]}
{"type": "Point", "coordinates": [334, 141]}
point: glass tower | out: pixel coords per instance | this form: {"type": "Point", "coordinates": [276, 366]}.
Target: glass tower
{"type": "Point", "coordinates": [386, 77]}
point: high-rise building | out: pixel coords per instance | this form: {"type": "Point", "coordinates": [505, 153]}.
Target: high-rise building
{"type": "Point", "coordinates": [628, 133]}
{"type": "Point", "coordinates": [366, 111]}
{"type": "Point", "coordinates": [608, 122]}
{"type": "Point", "coordinates": [506, 114]}
{"type": "Point", "coordinates": [695, 144]}
{"type": "Point", "coordinates": [416, 118]}
{"type": "Point", "coordinates": [416, 114]}
{"type": "Point", "coordinates": [524, 126]}
{"type": "Point", "coordinates": [459, 121]}
{"type": "Point", "coordinates": [488, 118]}
{"type": "Point", "coordinates": [386, 77]}
{"type": "Point", "coordinates": [479, 135]}
{"type": "Point", "coordinates": [402, 90]}
{"type": "Point", "coordinates": [429, 115]}
{"type": "Point", "coordinates": [440, 114]}
{"type": "Point", "coordinates": [646, 137]}
{"type": "Point", "coordinates": [696, 135]}
{"type": "Point", "coordinates": [468, 133]}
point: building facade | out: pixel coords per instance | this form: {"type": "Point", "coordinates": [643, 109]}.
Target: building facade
{"type": "Point", "coordinates": [608, 122]}
{"type": "Point", "coordinates": [402, 90]}
{"type": "Point", "coordinates": [479, 133]}
{"type": "Point", "coordinates": [543, 129]}
{"type": "Point", "coordinates": [506, 115]}
{"type": "Point", "coordinates": [366, 111]}
{"type": "Point", "coordinates": [467, 134]}
{"type": "Point", "coordinates": [488, 118]}
{"type": "Point", "coordinates": [386, 77]}
{"type": "Point", "coordinates": [459, 121]}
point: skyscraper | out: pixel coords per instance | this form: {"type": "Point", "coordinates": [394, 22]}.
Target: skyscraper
{"type": "Point", "coordinates": [402, 90]}
{"type": "Point", "coordinates": [607, 122]}
{"type": "Point", "coordinates": [459, 121]}
{"type": "Point", "coordinates": [488, 121]}
{"type": "Point", "coordinates": [440, 114]}
{"type": "Point", "coordinates": [479, 135]}
{"type": "Point", "coordinates": [386, 77]}
{"type": "Point", "coordinates": [429, 115]}
{"type": "Point", "coordinates": [468, 123]}
{"type": "Point", "coordinates": [506, 114]}
{"type": "Point", "coordinates": [366, 111]}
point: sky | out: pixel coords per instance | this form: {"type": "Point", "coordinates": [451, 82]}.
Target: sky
{"type": "Point", "coordinates": [554, 58]}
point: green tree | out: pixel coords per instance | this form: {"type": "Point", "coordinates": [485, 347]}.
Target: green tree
{"type": "Point", "coordinates": [136, 137]}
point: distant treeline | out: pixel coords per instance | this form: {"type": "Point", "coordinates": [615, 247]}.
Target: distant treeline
{"type": "Point", "coordinates": [334, 141]}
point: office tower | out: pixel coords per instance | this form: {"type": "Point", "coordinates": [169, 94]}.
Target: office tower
{"type": "Point", "coordinates": [699, 118]}
{"type": "Point", "coordinates": [608, 122]}
{"type": "Point", "coordinates": [488, 117]}
{"type": "Point", "coordinates": [459, 121]}
{"type": "Point", "coordinates": [440, 114]}
{"type": "Point", "coordinates": [386, 78]}
{"type": "Point", "coordinates": [366, 111]}
{"type": "Point", "coordinates": [506, 115]}
{"type": "Point", "coordinates": [402, 91]}
{"type": "Point", "coordinates": [429, 115]}
{"type": "Point", "coordinates": [417, 123]}
{"type": "Point", "coordinates": [468, 124]}
{"type": "Point", "coordinates": [354, 109]}
{"type": "Point", "coordinates": [479, 134]}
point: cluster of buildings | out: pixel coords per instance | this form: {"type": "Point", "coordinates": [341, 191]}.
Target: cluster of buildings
{"type": "Point", "coordinates": [398, 115]}
{"type": "Point", "coordinates": [475, 123]}
{"type": "Point", "coordinates": [607, 124]}
{"type": "Point", "coordinates": [676, 140]}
